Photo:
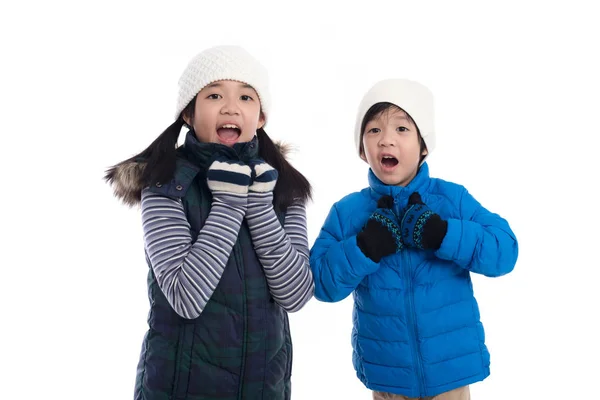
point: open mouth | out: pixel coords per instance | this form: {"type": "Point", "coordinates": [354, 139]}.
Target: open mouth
{"type": "Point", "coordinates": [229, 133]}
{"type": "Point", "coordinates": [389, 161]}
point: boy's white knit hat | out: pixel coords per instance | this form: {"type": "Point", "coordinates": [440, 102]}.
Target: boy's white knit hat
{"type": "Point", "coordinates": [411, 96]}
{"type": "Point", "coordinates": [223, 63]}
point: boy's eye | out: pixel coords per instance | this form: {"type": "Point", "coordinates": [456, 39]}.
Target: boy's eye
{"type": "Point", "coordinates": [245, 97]}
{"type": "Point", "coordinates": [214, 96]}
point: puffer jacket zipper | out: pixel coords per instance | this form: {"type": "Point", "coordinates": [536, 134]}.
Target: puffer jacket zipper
{"type": "Point", "coordinates": [412, 324]}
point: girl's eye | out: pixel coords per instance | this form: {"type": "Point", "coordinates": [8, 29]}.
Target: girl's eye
{"type": "Point", "coordinates": [246, 98]}
{"type": "Point", "coordinates": [373, 130]}
{"type": "Point", "coordinates": [214, 96]}
{"type": "Point", "coordinates": [402, 129]}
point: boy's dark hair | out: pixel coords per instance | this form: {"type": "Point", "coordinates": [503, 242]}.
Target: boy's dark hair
{"type": "Point", "coordinates": [380, 108]}
{"type": "Point", "coordinates": [161, 155]}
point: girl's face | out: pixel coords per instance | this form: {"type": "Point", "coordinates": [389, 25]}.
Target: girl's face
{"type": "Point", "coordinates": [392, 148]}
{"type": "Point", "coordinates": [226, 112]}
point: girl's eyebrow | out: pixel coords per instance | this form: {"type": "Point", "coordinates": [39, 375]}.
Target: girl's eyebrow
{"type": "Point", "coordinates": [219, 84]}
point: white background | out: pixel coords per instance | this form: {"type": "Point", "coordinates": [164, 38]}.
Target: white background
{"type": "Point", "coordinates": [86, 85]}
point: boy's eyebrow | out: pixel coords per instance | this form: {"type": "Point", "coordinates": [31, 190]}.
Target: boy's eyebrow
{"type": "Point", "coordinates": [395, 117]}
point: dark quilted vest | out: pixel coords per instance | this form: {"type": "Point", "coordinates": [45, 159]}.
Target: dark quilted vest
{"type": "Point", "coordinates": [240, 346]}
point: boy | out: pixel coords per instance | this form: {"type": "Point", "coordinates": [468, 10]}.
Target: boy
{"type": "Point", "coordinates": [405, 247]}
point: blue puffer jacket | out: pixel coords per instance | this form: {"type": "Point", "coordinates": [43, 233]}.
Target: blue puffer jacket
{"type": "Point", "coordinates": [417, 330]}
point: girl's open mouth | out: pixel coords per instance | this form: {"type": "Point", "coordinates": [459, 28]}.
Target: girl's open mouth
{"type": "Point", "coordinates": [229, 133]}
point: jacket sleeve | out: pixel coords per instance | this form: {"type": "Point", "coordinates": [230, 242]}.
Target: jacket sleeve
{"type": "Point", "coordinates": [481, 241]}
{"type": "Point", "coordinates": [337, 263]}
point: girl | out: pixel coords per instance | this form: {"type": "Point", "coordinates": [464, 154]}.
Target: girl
{"type": "Point", "coordinates": [224, 226]}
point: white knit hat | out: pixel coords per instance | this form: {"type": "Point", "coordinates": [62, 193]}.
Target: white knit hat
{"type": "Point", "coordinates": [223, 63]}
{"type": "Point", "coordinates": [410, 96]}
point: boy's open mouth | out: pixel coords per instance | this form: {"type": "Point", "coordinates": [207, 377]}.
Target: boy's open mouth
{"type": "Point", "coordinates": [389, 161]}
{"type": "Point", "coordinates": [229, 133]}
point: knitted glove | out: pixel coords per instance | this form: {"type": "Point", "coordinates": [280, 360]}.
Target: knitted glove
{"type": "Point", "coordinates": [225, 175]}
{"type": "Point", "coordinates": [380, 236]}
{"type": "Point", "coordinates": [421, 227]}
{"type": "Point", "coordinates": [264, 177]}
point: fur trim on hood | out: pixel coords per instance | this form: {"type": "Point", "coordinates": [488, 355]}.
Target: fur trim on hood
{"type": "Point", "coordinates": [126, 177]}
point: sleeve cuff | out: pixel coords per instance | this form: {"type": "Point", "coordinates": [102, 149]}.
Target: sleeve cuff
{"type": "Point", "coordinates": [360, 264]}
{"type": "Point", "coordinates": [448, 249]}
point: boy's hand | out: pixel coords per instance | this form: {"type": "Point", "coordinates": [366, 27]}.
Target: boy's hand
{"type": "Point", "coordinates": [380, 236]}
{"type": "Point", "coordinates": [421, 227]}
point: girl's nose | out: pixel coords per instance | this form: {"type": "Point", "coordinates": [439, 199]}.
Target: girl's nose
{"type": "Point", "coordinates": [230, 108]}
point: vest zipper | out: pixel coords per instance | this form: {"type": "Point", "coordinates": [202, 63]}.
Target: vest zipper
{"type": "Point", "coordinates": [239, 261]}
{"type": "Point", "coordinates": [178, 357]}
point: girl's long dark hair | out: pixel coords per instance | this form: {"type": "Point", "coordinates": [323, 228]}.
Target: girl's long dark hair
{"type": "Point", "coordinates": [291, 185]}
{"type": "Point", "coordinates": [161, 155]}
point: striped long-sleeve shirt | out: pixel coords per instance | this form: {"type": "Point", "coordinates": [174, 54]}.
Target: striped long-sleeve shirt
{"type": "Point", "coordinates": [188, 272]}
{"type": "Point", "coordinates": [283, 252]}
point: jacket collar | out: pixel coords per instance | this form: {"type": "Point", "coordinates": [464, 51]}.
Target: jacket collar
{"type": "Point", "coordinates": [203, 154]}
{"type": "Point", "coordinates": [420, 183]}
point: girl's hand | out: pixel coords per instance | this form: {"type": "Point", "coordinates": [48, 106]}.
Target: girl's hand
{"type": "Point", "coordinates": [229, 176]}
{"type": "Point", "coordinates": [264, 177]}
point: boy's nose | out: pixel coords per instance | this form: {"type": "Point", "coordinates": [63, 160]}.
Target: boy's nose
{"type": "Point", "coordinates": [386, 139]}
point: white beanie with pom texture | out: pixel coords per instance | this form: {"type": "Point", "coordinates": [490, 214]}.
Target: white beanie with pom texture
{"type": "Point", "coordinates": [223, 63]}
{"type": "Point", "coordinates": [414, 98]}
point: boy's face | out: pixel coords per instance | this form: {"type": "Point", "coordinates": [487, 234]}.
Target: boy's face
{"type": "Point", "coordinates": [392, 148]}
{"type": "Point", "coordinates": [226, 112]}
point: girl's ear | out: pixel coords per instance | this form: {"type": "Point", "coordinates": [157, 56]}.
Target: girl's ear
{"type": "Point", "coordinates": [424, 152]}
{"type": "Point", "coordinates": [261, 121]}
{"type": "Point", "coordinates": [186, 119]}
{"type": "Point", "coordinates": [187, 115]}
